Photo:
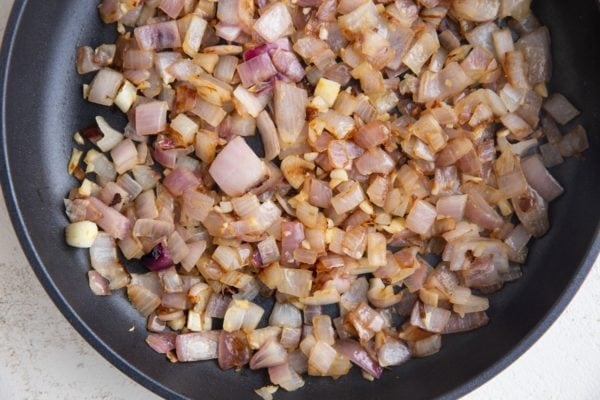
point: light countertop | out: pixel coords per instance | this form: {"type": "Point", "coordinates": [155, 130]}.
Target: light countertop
{"type": "Point", "coordinates": [43, 357]}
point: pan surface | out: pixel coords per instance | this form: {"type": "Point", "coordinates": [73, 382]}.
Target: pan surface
{"type": "Point", "coordinates": [41, 107]}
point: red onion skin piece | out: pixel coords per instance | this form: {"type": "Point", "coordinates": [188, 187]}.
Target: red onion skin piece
{"type": "Point", "coordinates": [158, 259]}
{"type": "Point", "coordinates": [359, 356]}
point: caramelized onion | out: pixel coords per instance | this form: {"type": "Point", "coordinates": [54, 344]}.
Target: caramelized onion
{"type": "Point", "coordinates": [317, 152]}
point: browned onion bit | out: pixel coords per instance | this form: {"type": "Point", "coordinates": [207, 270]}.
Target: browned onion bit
{"type": "Point", "coordinates": [390, 130]}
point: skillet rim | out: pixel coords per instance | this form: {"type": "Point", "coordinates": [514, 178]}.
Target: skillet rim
{"type": "Point", "coordinates": [37, 264]}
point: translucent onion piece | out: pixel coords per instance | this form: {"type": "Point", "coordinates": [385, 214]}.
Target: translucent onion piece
{"type": "Point", "coordinates": [237, 168]}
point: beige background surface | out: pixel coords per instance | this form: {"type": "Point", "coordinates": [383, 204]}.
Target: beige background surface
{"type": "Point", "coordinates": [43, 357]}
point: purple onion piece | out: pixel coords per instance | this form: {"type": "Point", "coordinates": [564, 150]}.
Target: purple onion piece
{"type": "Point", "coordinates": [158, 259]}
{"type": "Point", "coordinates": [359, 356]}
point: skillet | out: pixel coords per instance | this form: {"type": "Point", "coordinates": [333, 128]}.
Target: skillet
{"type": "Point", "coordinates": [41, 106]}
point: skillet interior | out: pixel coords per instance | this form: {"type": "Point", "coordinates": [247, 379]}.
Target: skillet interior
{"type": "Point", "coordinates": [41, 107]}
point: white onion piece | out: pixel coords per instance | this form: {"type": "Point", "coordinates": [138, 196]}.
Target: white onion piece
{"type": "Point", "coordinates": [480, 212]}
{"type": "Point", "coordinates": [290, 110]}
{"type": "Point", "coordinates": [259, 337]}
{"type": "Point", "coordinates": [292, 235]}
{"type": "Point", "coordinates": [177, 247]}
{"type": "Point", "coordinates": [452, 206]}
{"type": "Point", "coordinates": [518, 238]}
{"type": "Point", "coordinates": [421, 217]}
{"type": "Point", "coordinates": [271, 354]}
{"type": "Point", "coordinates": [196, 249]}
{"type": "Point", "coordinates": [266, 392]}
{"type": "Point", "coordinates": [432, 319]}
{"type": "Point", "coordinates": [532, 211]}
{"type": "Point", "coordinates": [237, 168]}
{"type": "Point", "coordinates": [440, 85]}
{"type": "Point", "coordinates": [98, 285]}
{"type": "Point", "coordinates": [321, 359]}
{"type": "Point", "coordinates": [105, 86]}
{"type": "Point", "coordinates": [286, 377]}
{"type": "Point", "coordinates": [196, 205]}
{"type": "Point", "coordinates": [81, 234]}
{"type": "Point", "coordinates": [392, 352]}
{"type": "Point", "coordinates": [274, 23]}
{"type": "Point", "coordinates": [269, 250]}
{"type": "Point", "coordinates": [155, 325]}
{"type": "Point", "coordinates": [295, 282]}
{"type": "Point", "coordinates": [111, 221]}
{"type": "Point", "coordinates": [349, 199]}
{"type": "Point", "coordinates": [290, 338]}
{"type": "Point", "coordinates": [285, 315]}
{"type": "Point", "coordinates": [151, 118]}
{"type": "Point", "coordinates": [540, 179]}
{"type": "Point", "coordinates": [113, 195]}
{"type": "Point", "coordinates": [356, 295]}
{"type": "Point", "coordinates": [423, 48]}
{"type": "Point", "coordinates": [110, 137]}
{"type": "Point", "coordinates": [426, 347]}
{"type": "Point", "coordinates": [268, 134]}
{"type": "Point", "coordinates": [197, 346]}
{"type": "Point", "coordinates": [153, 229]}
{"type": "Point", "coordinates": [85, 60]}
{"type": "Point", "coordinates": [535, 46]}
{"type": "Point", "coordinates": [476, 10]}
{"type": "Point", "coordinates": [124, 156]}
{"type": "Point", "coordinates": [560, 108]}
{"type": "Point", "coordinates": [375, 161]}
{"type": "Point", "coordinates": [366, 321]}
{"type": "Point", "coordinates": [142, 299]}
{"type": "Point", "coordinates": [194, 35]}
{"type": "Point", "coordinates": [468, 322]}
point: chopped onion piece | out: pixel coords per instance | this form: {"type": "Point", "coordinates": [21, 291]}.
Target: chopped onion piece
{"type": "Point", "coordinates": [560, 108]}
{"type": "Point", "coordinates": [540, 179]}
{"type": "Point", "coordinates": [290, 110]}
{"type": "Point", "coordinates": [197, 346]}
{"type": "Point", "coordinates": [237, 168]}
{"type": "Point", "coordinates": [160, 36]}
{"type": "Point", "coordinates": [274, 23]}
{"type": "Point", "coordinates": [413, 124]}
{"type": "Point", "coordinates": [359, 356]}
{"type": "Point", "coordinates": [271, 354]}
{"type": "Point", "coordinates": [285, 376]}
{"type": "Point", "coordinates": [104, 87]}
